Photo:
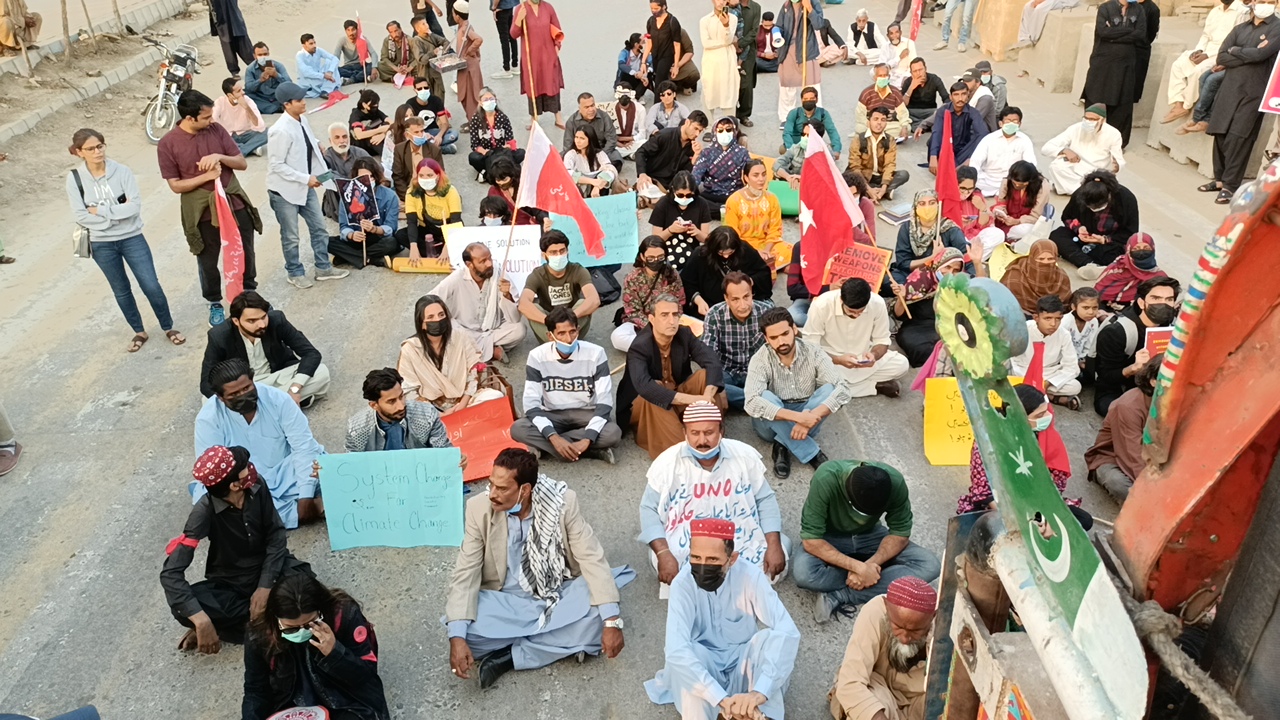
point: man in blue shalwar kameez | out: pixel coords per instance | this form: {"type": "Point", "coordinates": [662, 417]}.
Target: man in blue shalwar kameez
{"type": "Point", "coordinates": [731, 645]}
{"type": "Point", "coordinates": [317, 69]}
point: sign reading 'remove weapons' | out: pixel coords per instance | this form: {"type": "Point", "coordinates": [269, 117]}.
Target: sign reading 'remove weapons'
{"type": "Point", "coordinates": [393, 498]}
{"type": "Point", "coordinates": [859, 261]}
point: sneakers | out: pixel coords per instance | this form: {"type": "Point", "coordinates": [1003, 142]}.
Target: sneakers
{"type": "Point", "coordinates": [332, 273]}
{"type": "Point", "coordinates": [217, 315]}
{"type": "Point", "coordinates": [302, 282]}
{"type": "Point", "coordinates": [818, 460]}
{"type": "Point", "coordinates": [504, 74]}
{"type": "Point", "coordinates": [605, 454]}
{"type": "Point", "coordinates": [450, 149]}
{"type": "Point", "coordinates": [942, 45]}
{"type": "Point", "coordinates": [961, 47]}
{"type": "Point", "coordinates": [1090, 272]}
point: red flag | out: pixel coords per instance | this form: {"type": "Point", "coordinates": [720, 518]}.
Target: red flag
{"type": "Point", "coordinates": [947, 185]}
{"type": "Point", "coordinates": [1051, 444]}
{"type": "Point", "coordinates": [232, 247]}
{"type": "Point", "coordinates": [917, 9]}
{"type": "Point", "coordinates": [546, 185]}
{"type": "Point", "coordinates": [828, 214]}
{"type": "Point", "coordinates": [362, 45]}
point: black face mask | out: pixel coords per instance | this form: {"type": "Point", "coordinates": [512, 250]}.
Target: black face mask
{"type": "Point", "coordinates": [809, 105]}
{"type": "Point", "coordinates": [625, 100]}
{"type": "Point", "coordinates": [435, 328]}
{"type": "Point", "coordinates": [220, 491]}
{"type": "Point", "coordinates": [245, 403]}
{"type": "Point", "coordinates": [655, 265]}
{"type": "Point", "coordinates": [708, 577]}
{"type": "Point", "coordinates": [1160, 314]}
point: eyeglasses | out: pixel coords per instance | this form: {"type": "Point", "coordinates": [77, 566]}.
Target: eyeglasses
{"type": "Point", "coordinates": [655, 258]}
{"type": "Point", "coordinates": [310, 623]}
{"type": "Point", "coordinates": [94, 148]}
{"type": "Point", "coordinates": [685, 196]}
{"type": "Point", "coordinates": [668, 94]}
{"type": "Point", "coordinates": [964, 189]}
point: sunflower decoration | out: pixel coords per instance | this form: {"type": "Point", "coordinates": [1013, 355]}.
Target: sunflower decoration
{"type": "Point", "coordinates": [980, 324]}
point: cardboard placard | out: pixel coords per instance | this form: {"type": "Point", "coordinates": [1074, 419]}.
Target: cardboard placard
{"type": "Point", "coordinates": [481, 432]}
{"type": "Point", "coordinates": [948, 436]}
{"type": "Point", "coordinates": [861, 261]}
{"type": "Point", "coordinates": [523, 259]}
{"type": "Point", "coordinates": [617, 217]}
{"type": "Point", "coordinates": [393, 498]}
{"type": "Point", "coordinates": [1157, 340]}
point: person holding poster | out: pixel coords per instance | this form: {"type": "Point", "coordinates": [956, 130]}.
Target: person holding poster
{"type": "Point", "coordinates": [851, 325]}
{"type": "Point", "coordinates": [531, 584]}
{"type": "Point", "coordinates": [437, 367]}
{"type": "Point", "coordinates": [496, 331]}
{"type": "Point", "coordinates": [913, 304]}
{"type": "Point", "coordinates": [368, 213]}
{"type": "Point", "coordinates": [391, 423]}
{"type": "Point", "coordinates": [1121, 351]}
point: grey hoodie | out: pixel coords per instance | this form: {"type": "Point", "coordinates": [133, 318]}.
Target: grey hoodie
{"type": "Point", "coordinates": [117, 197]}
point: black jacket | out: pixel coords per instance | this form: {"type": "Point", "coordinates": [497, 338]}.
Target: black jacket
{"type": "Point", "coordinates": [1114, 355]}
{"type": "Point", "coordinates": [284, 345]}
{"type": "Point", "coordinates": [663, 155]}
{"type": "Point", "coordinates": [699, 278]}
{"type": "Point", "coordinates": [346, 680]}
{"type": "Point", "coordinates": [644, 370]}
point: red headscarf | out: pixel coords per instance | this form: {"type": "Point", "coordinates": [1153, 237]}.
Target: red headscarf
{"type": "Point", "coordinates": [1119, 282]}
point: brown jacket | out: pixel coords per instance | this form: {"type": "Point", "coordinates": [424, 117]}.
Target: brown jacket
{"type": "Point", "coordinates": [866, 683]}
{"type": "Point", "coordinates": [482, 560]}
{"type": "Point", "coordinates": [884, 161]}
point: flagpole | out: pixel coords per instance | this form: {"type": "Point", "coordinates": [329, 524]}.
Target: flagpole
{"type": "Point", "coordinates": [528, 64]}
{"type": "Point", "coordinates": [804, 49]}
{"type": "Point", "coordinates": [490, 315]}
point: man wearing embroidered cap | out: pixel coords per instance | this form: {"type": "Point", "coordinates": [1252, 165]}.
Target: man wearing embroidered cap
{"type": "Point", "coordinates": [883, 673]}
{"type": "Point", "coordinates": [248, 552]}
{"type": "Point", "coordinates": [730, 643]}
{"type": "Point", "coordinates": [710, 476]}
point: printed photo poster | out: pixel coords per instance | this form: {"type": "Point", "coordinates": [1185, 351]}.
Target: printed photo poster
{"type": "Point", "coordinates": [356, 195]}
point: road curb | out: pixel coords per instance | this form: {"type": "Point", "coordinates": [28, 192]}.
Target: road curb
{"type": "Point", "coordinates": [109, 78]}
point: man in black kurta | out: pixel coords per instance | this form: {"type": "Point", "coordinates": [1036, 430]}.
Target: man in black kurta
{"type": "Point", "coordinates": [227, 24]}
{"type": "Point", "coordinates": [1113, 66]}
{"type": "Point", "coordinates": [1152, 12]}
{"type": "Point", "coordinates": [748, 28]}
{"type": "Point", "coordinates": [1247, 54]}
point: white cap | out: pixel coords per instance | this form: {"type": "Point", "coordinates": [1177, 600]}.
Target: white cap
{"type": "Point", "coordinates": [463, 7]}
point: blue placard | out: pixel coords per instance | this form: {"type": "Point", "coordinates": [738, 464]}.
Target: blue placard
{"type": "Point", "coordinates": [617, 216]}
{"type": "Point", "coordinates": [393, 498]}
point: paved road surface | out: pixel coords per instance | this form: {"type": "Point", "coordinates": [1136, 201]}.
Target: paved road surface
{"type": "Point", "coordinates": [101, 489]}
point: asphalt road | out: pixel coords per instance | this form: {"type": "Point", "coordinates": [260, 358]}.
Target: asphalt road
{"type": "Point", "coordinates": [85, 518]}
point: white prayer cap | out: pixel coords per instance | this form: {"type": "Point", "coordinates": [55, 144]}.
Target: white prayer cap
{"type": "Point", "coordinates": [462, 6]}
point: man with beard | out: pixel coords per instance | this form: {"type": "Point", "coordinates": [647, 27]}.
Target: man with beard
{"type": "Point", "coordinates": [883, 673]}
{"type": "Point", "coordinates": [267, 422]}
{"type": "Point", "coordinates": [494, 327]}
{"type": "Point", "coordinates": [391, 424]}
{"type": "Point", "coordinates": [278, 353]}
{"type": "Point", "coordinates": [730, 643]}
{"type": "Point", "coordinates": [1121, 342]}
{"type": "Point", "coordinates": [248, 552]}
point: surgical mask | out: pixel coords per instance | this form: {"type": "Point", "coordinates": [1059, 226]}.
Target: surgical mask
{"type": "Point", "coordinates": [491, 221]}
{"type": "Point", "coordinates": [882, 82]}
{"type": "Point", "coordinates": [489, 105]}
{"type": "Point", "coordinates": [558, 262]}
{"type": "Point", "coordinates": [299, 636]}
{"type": "Point", "coordinates": [724, 138]}
{"type": "Point", "coordinates": [927, 213]}
{"type": "Point", "coordinates": [424, 94]}
{"type": "Point", "coordinates": [1010, 128]}
{"type": "Point", "coordinates": [986, 79]}
{"type": "Point", "coordinates": [264, 61]}
{"type": "Point", "coordinates": [683, 201]}
{"type": "Point", "coordinates": [435, 328]}
{"type": "Point", "coordinates": [709, 577]}
{"type": "Point", "coordinates": [1264, 11]}
{"type": "Point", "coordinates": [656, 265]}
{"type": "Point", "coordinates": [1043, 423]}
{"type": "Point", "coordinates": [809, 105]}
{"type": "Point", "coordinates": [1160, 314]}
{"type": "Point", "coordinates": [515, 509]}
{"type": "Point", "coordinates": [419, 140]}
{"type": "Point", "coordinates": [1089, 125]}
{"type": "Point", "coordinates": [246, 403]}
{"type": "Point", "coordinates": [566, 349]}
{"type": "Point", "coordinates": [708, 455]}
{"type": "Point", "coordinates": [804, 142]}
{"type": "Point", "coordinates": [428, 184]}
{"type": "Point", "coordinates": [1098, 209]}
{"type": "Point", "coordinates": [1143, 259]}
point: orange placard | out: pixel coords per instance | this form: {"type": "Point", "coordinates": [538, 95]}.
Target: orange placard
{"type": "Point", "coordinates": [859, 261]}
{"type": "Point", "coordinates": [481, 432]}
{"type": "Point", "coordinates": [1157, 340]}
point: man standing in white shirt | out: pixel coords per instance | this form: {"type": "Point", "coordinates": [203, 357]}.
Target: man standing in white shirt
{"type": "Point", "coordinates": [1061, 366]}
{"type": "Point", "coordinates": [851, 324]}
{"type": "Point", "coordinates": [997, 152]}
{"type": "Point", "coordinates": [1185, 73]}
{"type": "Point", "coordinates": [295, 164]}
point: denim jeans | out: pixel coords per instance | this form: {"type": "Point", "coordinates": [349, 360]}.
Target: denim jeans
{"type": "Point", "coordinates": [814, 574]}
{"type": "Point", "coordinates": [733, 392]}
{"type": "Point", "coordinates": [966, 20]}
{"type": "Point", "coordinates": [1209, 83]}
{"type": "Point", "coordinates": [287, 215]}
{"type": "Point", "coordinates": [780, 430]}
{"type": "Point", "coordinates": [111, 258]}
{"type": "Point", "coordinates": [800, 311]}
{"type": "Point", "coordinates": [450, 137]}
{"type": "Point", "coordinates": [250, 141]}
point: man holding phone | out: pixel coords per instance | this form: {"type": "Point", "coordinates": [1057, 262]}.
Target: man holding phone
{"type": "Point", "coordinates": [295, 168]}
{"type": "Point", "coordinates": [851, 324]}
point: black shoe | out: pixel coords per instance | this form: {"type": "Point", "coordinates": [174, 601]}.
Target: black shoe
{"type": "Point", "coordinates": [746, 122]}
{"type": "Point", "coordinates": [781, 461]}
{"type": "Point", "coordinates": [817, 460]}
{"type": "Point", "coordinates": [495, 665]}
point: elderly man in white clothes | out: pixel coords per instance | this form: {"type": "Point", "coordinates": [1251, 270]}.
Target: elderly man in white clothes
{"type": "Point", "coordinates": [851, 324]}
{"type": "Point", "coordinates": [997, 152]}
{"type": "Point", "coordinates": [1083, 147]}
{"type": "Point", "coordinates": [710, 476]}
{"type": "Point", "coordinates": [1186, 71]}
{"type": "Point", "coordinates": [494, 326]}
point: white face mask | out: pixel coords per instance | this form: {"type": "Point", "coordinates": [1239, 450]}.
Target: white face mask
{"type": "Point", "coordinates": [724, 137]}
{"type": "Point", "coordinates": [491, 221]}
{"type": "Point", "coordinates": [427, 185]}
{"type": "Point", "coordinates": [489, 105]}
{"type": "Point", "coordinates": [1263, 10]}
{"type": "Point", "coordinates": [1089, 125]}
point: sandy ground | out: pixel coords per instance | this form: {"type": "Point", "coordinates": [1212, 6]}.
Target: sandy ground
{"type": "Point", "coordinates": [100, 490]}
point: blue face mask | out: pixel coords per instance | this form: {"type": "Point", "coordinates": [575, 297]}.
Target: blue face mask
{"type": "Point", "coordinates": [708, 455]}
{"type": "Point", "coordinates": [566, 349]}
{"type": "Point", "coordinates": [558, 262]}
{"type": "Point", "coordinates": [1043, 423]}
{"type": "Point", "coordinates": [424, 95]}
{"type": "Point", "coordinates": [299, 636]}
{"type": "Point", "coordinates": [515, 509]}
{"type": "Point", "coordinates": [420, 140]}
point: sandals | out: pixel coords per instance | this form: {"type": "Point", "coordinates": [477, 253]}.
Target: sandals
{"type": "Point", "coordinates": [137, 342]}
{"type": "Point", "coordinates": [6, 260]}
{"type": "Point", "coordinates": [1224, 197]}
{"type": "Point", "coordinates": [1210, 187]}
{"type": "Point", "coordinates": [1069, 402]}
{"type": "Point", "coordinates": [175, 337]}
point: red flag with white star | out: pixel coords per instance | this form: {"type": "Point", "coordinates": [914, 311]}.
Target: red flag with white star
{"type": "Point", "coordinates": [828, 214]}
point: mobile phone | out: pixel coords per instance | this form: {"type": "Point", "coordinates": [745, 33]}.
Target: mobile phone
{"type": "Point", "coordinates": [325, 177]}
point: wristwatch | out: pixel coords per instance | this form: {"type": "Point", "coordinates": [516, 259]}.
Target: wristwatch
{"type": "Point", "coordinates": [615, 623]}
{"type": "Point", "coordinates": [295, 389]}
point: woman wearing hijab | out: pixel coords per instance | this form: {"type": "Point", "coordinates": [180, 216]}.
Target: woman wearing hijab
{"type": "Point", "coordinates": [917, 335]}
{"type": "Point", "coordinates": [1118, 285]}
{"type": "Point", "coordinates": [1036, 275]}
{"type": "Point", "coordinates": [923, 236]}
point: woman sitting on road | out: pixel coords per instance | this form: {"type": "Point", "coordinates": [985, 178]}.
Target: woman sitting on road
{"type": "Point", "coordinates": [1021, 200]}
{"type": "Point", "coordinates": [505, 176]}
{"type": "Point", "coordinates": [491, 136]}
{"type": "Point", "coordinates": [430, 204]}
{"type": "Point", "coordinates": [437, 367]}
{"type": "Point", "coordinates": [724, 252]}
{"type": "Point", "coordinates": [756, 215]}
{"type": "Point", "coordinates": [682, 218]}
{"type": "Point", "coordinates": [652, 277]}
{"type": "Point", "coordinates": [587, 164]}
{"type": "Point", "coordinates": [918, 334]}
{"type": "Point", "coordinates": [923, 236]}
{"type": "Point", "coordinates": [1036, 275]}
{"type": "Point", "coordinates": [1118, 286]}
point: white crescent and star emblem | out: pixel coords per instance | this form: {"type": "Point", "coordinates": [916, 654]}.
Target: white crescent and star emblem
{"type": "Point", "coordinates": [806, 218]}
{"type": "Point", "coordinates": [1057, 569]}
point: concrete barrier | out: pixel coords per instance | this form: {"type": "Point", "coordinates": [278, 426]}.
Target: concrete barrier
{"type": "Point", "coordinates": [1164, 51]}
{"type": "Point", "coordinates": [1052, 61]}
{"type": "Point", "coordinates": [995, 27]}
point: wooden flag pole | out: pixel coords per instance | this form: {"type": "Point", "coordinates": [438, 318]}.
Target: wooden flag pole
{"type": "Point", "coordinates": [21, 35]}
{"type": "Point", "coordinates": [804, 49]}
{"type": "Point", "coordinates": [528, 64]}
{"type": "Point", "coordinates": [89, 21]}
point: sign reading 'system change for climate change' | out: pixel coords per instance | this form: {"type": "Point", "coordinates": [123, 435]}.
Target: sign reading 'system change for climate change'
{"type": "Point", "coordinates": [393, 498]}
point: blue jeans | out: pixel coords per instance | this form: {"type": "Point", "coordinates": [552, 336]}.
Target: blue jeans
{"type": "Point", "coordinates": [287, 215]}
{"type": "Point", "coordinates": [1209, 83]}
{"type": "Point", "coordinates": [448, 142]}
{"type": "Point", "coordinates": [780, 430]}
{"type": "Point", "coordinates": [800, 311]}
{"type": "Point", "coordinates": [966, 20]}
{"type": "Point", "coordinates": [250, 141]}
{"type": "Point", "coordinates": [111, 258]}
{"type": "Point", "coordinates": [733, 392]}
{"type": "Point", "coordinates": [814, 574]}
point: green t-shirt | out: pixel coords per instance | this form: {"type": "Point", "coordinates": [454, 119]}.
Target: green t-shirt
{"type": "Point", "coordinates": [827, 510]}
{"type": "Point", "coordinates": [553, 292]}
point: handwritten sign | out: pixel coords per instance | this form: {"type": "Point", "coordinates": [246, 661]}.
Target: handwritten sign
{"type": "Point", "coordinates": [617, 217]}
{"type": "Point", "coordinates": [393, 498]}
{"type": "Point", "coordinates": [481, 431]}
{"type": "Point", "coordinates": [1157, 340]}
{"type": "Point", "coordinates": [859, 261]}
{"type": "Point", "coordinates": [948, 437]}
{"type": "Point", "coordinates": [1001, 258]}
{"type": "Point", "coordinates": [523, 259]}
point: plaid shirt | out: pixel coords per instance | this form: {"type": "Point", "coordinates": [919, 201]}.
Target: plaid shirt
{"type": "Point", "coordinates": [732, 341]}
{"type": "Point", "coordinates": [810, 369]}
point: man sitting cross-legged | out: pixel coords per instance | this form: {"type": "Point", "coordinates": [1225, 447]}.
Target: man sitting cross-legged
{"type": "Point", "coordinates": [851, 324]}
{"type": "Point", "coordinates": [389, 423]}
{"type": "Point", "coordinates": [568, 395]}
{"type": "Point", "coordinates": [730, 643]}
{"type": "Point", "coordinates": [248, 552]}
{"type": "Point", "coordinates": [732, 331]}
{"type": "Point", "coordinates": [494, 326]}
{"type": "Point", "coordinates": [792, 386]}
{"type": "Point", "coordinates": [527, 551]}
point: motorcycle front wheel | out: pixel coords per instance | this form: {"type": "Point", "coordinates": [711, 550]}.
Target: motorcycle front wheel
{"type": "Point", "coordinates": [161, 116]}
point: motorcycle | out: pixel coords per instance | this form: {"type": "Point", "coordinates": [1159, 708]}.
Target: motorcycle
{"type": "Point", "coordinates": [177, 72]}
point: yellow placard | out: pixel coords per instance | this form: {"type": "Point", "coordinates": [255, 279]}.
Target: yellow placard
{"type": "Point", "coordinates": [426, 265]}
{"type": "Point", "coordinates": [948, 437]}
{"type": "Point", "coordinates": [1000, 260]}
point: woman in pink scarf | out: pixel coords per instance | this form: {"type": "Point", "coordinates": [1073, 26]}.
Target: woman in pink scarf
{"type": "Point", "coordinates": [1118, 284]}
